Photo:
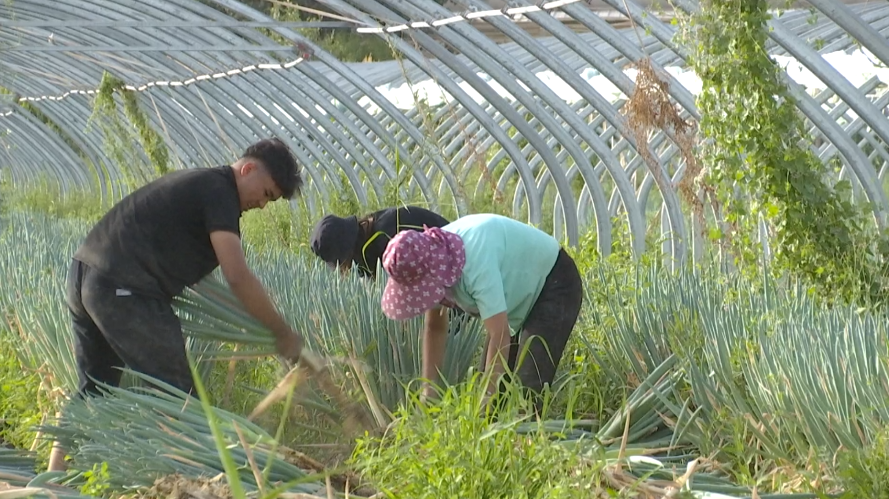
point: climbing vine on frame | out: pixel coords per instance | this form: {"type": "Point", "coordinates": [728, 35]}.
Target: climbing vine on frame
{"type": "Point", "coordinates": [138, 150]}
{"type": "Point", "coordinates": [759, 158]}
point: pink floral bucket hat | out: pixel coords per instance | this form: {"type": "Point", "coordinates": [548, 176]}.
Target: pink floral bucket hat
{"type": "Point", "coordinates": [420, 266]}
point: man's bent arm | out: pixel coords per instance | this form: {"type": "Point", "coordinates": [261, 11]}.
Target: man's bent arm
{"type": "Point", "coordinates": [435, 336]}
{"type": "Point", "coordinates": [244, 283]}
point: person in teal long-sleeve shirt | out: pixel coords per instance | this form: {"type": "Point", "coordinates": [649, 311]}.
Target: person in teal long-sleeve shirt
{"type": "Point", "coordinates": [515, 278]}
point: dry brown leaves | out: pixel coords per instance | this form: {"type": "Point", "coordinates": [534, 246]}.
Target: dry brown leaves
{"type": "Point", "coordinates": [311, 367]}
{"type": "Point", "coordinates": [650, 109]}
{"type": "Point", "coordinates": [346, 482]}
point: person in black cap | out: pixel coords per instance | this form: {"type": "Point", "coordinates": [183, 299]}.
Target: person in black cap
{"type": "Point", "coordinates": [343, 242]}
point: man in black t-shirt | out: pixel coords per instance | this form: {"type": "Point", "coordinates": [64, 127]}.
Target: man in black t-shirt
{"type": "Point", "coordinates": [342, 242]}
{"type": "Point", "coordinates": [165, 236]}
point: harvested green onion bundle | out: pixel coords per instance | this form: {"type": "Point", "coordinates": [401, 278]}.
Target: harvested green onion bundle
{"type": "Point", "coordinates": [339, 317]}
{"type": "Point", "coordinates": [17, 478]}
{"type": "Point", "coordinates": [145, 435]}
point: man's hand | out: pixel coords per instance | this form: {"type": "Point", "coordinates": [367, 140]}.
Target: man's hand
{"type": "Point", "coordinates": [290, 346]}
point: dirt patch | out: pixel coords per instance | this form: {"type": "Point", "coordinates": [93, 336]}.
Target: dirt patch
{"type": "Point", "coordinates": [346, 481]}
{"type": "Point", "coordinates": [180, 487]}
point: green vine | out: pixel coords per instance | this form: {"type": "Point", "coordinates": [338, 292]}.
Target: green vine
{"type": "Point", "coordinates": [759, 156]}
{"type": "Point", "coordinates": [120, 137]}
{"type": "Point", "coordinates": [151, 141]}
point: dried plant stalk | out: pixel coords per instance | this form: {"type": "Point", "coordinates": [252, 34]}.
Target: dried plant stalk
{"type": "Point", "coordinates": [650, 109]}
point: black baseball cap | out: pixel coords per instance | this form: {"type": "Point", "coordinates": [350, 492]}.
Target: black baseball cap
{"type": "Point", "coordinates": [333, 238]}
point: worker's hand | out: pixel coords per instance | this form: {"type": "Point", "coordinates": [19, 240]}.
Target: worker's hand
{"type": "Point", "coordinates": [290, 346]}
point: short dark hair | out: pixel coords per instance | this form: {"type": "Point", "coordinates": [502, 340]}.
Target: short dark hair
{"type": "Point", "coordinates": [276, 157]}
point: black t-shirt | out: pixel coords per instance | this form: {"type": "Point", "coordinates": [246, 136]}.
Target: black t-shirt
{"type": "Point", "coordinates": [156, 241]}
{"type": "Point", "coordinates": [389, 222]}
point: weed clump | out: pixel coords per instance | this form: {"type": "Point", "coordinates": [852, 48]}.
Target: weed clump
{"type": "Point", "coordinates": [455, 448]}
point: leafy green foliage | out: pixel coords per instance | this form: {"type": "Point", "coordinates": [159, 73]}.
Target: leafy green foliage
{"type": "Point", "coordinates": [142, 434]}
{"type": "Point", "coordinates": [759, 157]}
{"type": "Point", "coordinates": [774, 378]}
{"type": "Point", "coordinates": [695, 362]}
{"type": "Point", "coordinates": [46, 197]}
{"type": "Point", "coordinates": [35, 251]}
{"type": "Point", "coordinates": [17, 471]}
{"type": "Point", "coordinates": [339, 316]}
{"type": "Point", "coordinates": [19, 398]}
{"type": "Point", "coordinates": [595, 379]}
{"type": "Point", "coordinates": [865, 472]}
{"type": "Point", "coordinates": [743, 351]}
{"type": "Point", "coordinates": [96, 480]}
{"type": "Point", "coordinates": [16, 461]}
{"type": "Point", "coordinates": [452, 449]}
{"type": "Point", "coordinates": [278, 226]}
{"type": "Point", "coordinates": [460, 447]}
{"type": "Point", "coordinates": [151, 141]}
{"type": "Point", "coordinates": [120, 137]}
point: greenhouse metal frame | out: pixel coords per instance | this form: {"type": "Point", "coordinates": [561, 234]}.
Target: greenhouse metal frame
{"type": "Point", "coordinates": [212, 80]}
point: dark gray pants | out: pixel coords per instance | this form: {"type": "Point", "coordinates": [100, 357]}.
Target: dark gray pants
{"type": "Point", "coordinates": [547, 328]}
{"type": "Point", "coordinates": [115, 327]}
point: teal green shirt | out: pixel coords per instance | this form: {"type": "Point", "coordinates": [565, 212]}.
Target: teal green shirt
{"type": "Point", "coordinates": [507, 263]}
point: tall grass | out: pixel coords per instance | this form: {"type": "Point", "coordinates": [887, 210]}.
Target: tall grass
{"type": "Point", "coordinates": [340, 317]}
{"type": "Point", "coordinates": [457, 447]}
{"type": "Point", "coordinates": [45, 196]}
{"type": "Point", "coordinates": [21, 404]}
{"type": "Point", "coordinates": [760, 375]}
{"type": "Point", "coordinates": [775, 378]}
{"type": "Point", "coordinates": [18, 478]}
{"type": "Point", "coordinates": [35, 252]}
{"type": "Point", "coordinates": [156, 430]}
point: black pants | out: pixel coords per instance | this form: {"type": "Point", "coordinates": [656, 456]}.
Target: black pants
{"type": "Point", "coordinates": [114, 327]}
{"type": "Point", "coordinates": [547, 328]}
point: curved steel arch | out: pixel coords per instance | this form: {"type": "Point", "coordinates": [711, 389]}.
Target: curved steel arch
{"type": "Point", "coordinates": [205, 93]}
{"type": "Point", "coordinates": [28, 141]}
